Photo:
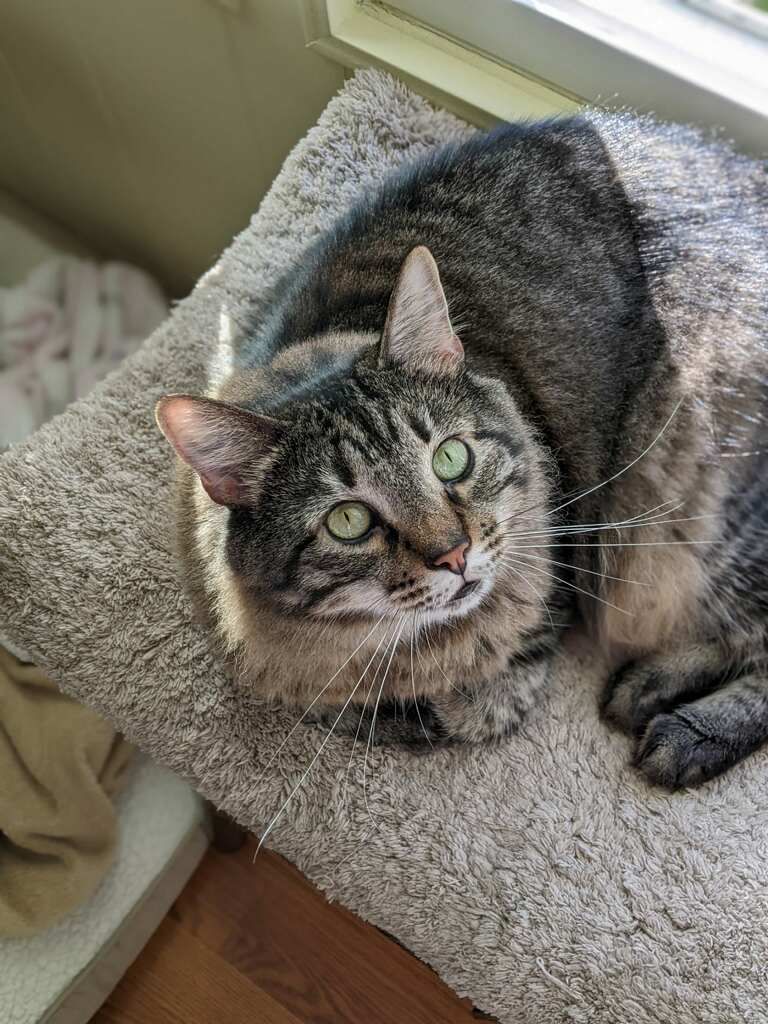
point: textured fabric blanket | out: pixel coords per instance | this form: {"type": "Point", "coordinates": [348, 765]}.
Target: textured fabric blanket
{"type": "Point", "coordinates": [65, 328]}
{"type": "Point", "coordinates": [544, 880]}
{"type": "Point", "coordinates": [60, 763]}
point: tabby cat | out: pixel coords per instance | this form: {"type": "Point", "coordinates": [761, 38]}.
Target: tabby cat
{"type": "Point", "coordinates": [522, 381]}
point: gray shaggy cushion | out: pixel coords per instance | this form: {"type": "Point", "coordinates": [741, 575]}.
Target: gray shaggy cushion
{"type": "Point", "coordinates": [544, 879]}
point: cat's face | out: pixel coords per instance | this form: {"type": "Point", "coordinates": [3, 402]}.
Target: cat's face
{"type": "Point", "coordinates": [388, 499]}
{"type": "Point", "coordinates": [388, 494]}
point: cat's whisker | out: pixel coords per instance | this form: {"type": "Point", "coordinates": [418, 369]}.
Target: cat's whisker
{"type": "Point", "coordinates": [440, 669]}
{"type": "Point", "coordinates": [646, 515]}
{"type": "Point", "coordinates": [388, 636]}
{"type": "Point", "coordinates": [572, 586]}
{"type": "Point", "coordinates": [552, 531]}
{"type": "Point", "coordinates": [357, 847]}
{"type": "Point", "coordinates": [621, 472]}
{"type": "Point", "coordinates": [626, 468]}
{"type": "Point", "coordinates": [335, 675]}
{"type": "Point", "coordinates": [656, 508]}
{"type": "Point", "coordinates": [540, 513]}
{"type": "Point", "coordinates": [535, 590]}
{"type": "Point", "coordinates": [413, 684]}
{"type": "Point", "coordinates": [563, 529]}
{"type": "Point", "coordinates": [312, 763]}
{"type": "Point", "coordinates": [644, 519]}
{"type": "Point", "coordinates": [591, 572]}
{"type": "Point", "coordinates": [619, 544]}
{"type": "Point", "coordinates": [334, 618]}
{"type": "Point", "coordinates": [603, 527]}
{"type": "Point", "coordinates": [369, 744]}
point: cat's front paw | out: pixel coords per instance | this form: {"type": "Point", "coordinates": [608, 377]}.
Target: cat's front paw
{"type": "Point", "coordinates": [467, 717]}
{"type": "Point", "coordinates": [658, 683]}
{"type": "Point", "coordinates": [675, 752]}
{"type": "Point", "coordinates": [691, 713]}
{"type": "Point", "coordinates": [494, 710]}
{"type": "Point", "coordinates": [488, 713]}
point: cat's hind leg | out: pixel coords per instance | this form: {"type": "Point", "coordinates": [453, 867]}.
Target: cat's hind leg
{"type": "Point", "coordinates": [694, 713]}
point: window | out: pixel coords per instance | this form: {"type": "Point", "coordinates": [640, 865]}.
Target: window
{"type": "Point", "coordinates": [698, 61]}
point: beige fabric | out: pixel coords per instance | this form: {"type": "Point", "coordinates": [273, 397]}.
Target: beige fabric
{"type": "Point", "coordinates": [59, 764]}
{"type": "Point", "coordinates": [543, 879]}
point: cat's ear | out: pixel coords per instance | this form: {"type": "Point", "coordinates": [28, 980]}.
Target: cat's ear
{"type": "Point", "coordinates": [227, 447]}
{"type": "Point", "coordinates": [418, 334]}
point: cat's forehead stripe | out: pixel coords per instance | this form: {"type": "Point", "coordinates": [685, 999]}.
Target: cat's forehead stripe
{"type": "Point", "coordinates": [512, 445]}
{"type": "Point", "coordinates": [342, 467]}
{"type": "Point", "coordinates": [419, 424]}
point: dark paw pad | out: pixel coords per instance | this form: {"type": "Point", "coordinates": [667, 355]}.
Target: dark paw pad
{"type": "Point", "coordinates": [675, 752]}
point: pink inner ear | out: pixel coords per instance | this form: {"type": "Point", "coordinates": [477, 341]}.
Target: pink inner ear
{"type": "Point", "coordinates": [199, 436]}
{"type": "Point", "coordinates": [448, 354]}
{"type": "Point", "coordinates": [178, 417]}
{"type": "Point", "coordinates": [452, 349]}
{"type": "Point", "coordinates": [417, 332]}
{"type": "Point", "coordinates": [224, 490]}
{"type": "Point", "coordinates": [225, 445]}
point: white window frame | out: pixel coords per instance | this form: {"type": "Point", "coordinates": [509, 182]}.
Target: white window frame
{"type": "Point", "coordinates": [735, 13]}
{"type": "Point", "coordinates": [495, 59]}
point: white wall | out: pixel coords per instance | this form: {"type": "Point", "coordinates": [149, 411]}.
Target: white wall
{"type": "Point", "coordinates": [152, 128]}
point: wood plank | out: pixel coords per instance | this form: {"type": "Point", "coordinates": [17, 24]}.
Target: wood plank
{"type": "Point", "coordinates": [317, 959]}
{"type": "Point", "coordinates": [179, 980]}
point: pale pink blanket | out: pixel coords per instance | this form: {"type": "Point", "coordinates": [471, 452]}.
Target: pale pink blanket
{"type": "Point", "coordinates": [64, 328]}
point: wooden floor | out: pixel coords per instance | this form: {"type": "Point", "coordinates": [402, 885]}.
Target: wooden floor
{"type": "Point", "coordinates": [255, 943]}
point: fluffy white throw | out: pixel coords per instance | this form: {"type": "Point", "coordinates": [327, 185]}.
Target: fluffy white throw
{"type": "Point", "coordinates": [65, 328]}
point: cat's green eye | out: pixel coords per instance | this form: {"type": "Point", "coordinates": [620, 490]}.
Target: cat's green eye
{"type": "Point", "coordinates": [349, 521]}
{"type": "Point", "coordinates": [451, 460]}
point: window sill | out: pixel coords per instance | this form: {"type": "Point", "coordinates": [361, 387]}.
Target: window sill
{"type": "Point", "coordinates": [473, 85]}
{"type": "Point", "coordinates": [500, 59]}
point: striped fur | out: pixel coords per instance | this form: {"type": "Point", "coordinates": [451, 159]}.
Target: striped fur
{"type": "Point", "coordinates": [606, 277]}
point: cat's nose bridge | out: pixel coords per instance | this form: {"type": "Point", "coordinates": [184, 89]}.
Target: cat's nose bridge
{"type": "Point", "coordinates": [439, 536]}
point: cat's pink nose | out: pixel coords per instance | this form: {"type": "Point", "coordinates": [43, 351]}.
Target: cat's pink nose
{"type": "Point", "coordinates": [454, 559]}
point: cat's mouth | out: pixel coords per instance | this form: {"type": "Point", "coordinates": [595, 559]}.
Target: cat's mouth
{"type": "Point", "coordinates": [469, 587]}
{"type": "Point", "coordinates": [465, 600]}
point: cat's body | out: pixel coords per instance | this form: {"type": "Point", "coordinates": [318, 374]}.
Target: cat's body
{"type": "Point", "coordinates": [610, 273]}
